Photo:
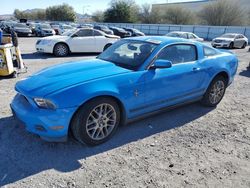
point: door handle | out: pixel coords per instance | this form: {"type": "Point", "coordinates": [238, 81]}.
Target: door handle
{"type": "Point", "coordinates": [196, 69]}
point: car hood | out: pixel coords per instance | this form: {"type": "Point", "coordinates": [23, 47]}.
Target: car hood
{"type": "Point", "coordinates": [22, 29]}
{"type": "Point", "coordinates": [65, 75]}
{"type": "Point", "coordinates": [226, 39]}
{"type": "Point", "coordinates": [55, 37]}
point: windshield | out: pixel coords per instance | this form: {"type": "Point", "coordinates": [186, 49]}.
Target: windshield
{"type": "Point", "coordinates": [69, 32]}
{"type": "Point", "coordinates": [228, 36]}
{"type": "Point", "coordinates": [173, 35]}
{"type": "Point", "coordinates": [130, 54]}
{"type": "Point", "coordinates": [45, 26]}
{"type": "Point", "coordinates": [20, 25]}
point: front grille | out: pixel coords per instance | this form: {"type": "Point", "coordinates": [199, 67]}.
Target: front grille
{"type": "Point", "coordinates": [218, 41]}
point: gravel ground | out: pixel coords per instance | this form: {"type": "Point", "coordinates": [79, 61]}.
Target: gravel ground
{"type": "Point", "coordinates": [191, 146]}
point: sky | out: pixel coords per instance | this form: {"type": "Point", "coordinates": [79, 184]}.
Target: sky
{"type": "Point", "coordinates": [80, 6]}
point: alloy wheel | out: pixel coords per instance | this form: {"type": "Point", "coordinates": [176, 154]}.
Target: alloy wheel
{"type": "Point", "coordinates": [101, 121]}
{"type": "Point", "coordinates": [217, 92]}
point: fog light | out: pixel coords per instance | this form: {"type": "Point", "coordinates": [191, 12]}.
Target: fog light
{"type": "Point", "coordinates": [55, 128]}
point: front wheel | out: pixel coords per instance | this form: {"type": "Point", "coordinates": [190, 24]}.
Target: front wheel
{"type": "Point", "coordinates": [61, 50]}
{"type": "Point", "coordinates": [231, 45]}
{"type": "Point", "coordinates": [215, 92]}
{"type": "Point", "coordinates": [96, 121]}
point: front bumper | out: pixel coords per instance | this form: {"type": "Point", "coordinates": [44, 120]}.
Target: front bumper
{"type": "Point", "coordinates": [19, 33]}
{"type": "Point", "coordinates": [221, 45]}
{"type": "Point", "coordinates": [50, 125]}
{"type": "Point", "coordinates": [44, 48]}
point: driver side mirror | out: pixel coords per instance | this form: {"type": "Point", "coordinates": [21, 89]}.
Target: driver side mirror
{"type": "Point", "coordinates": [161, 64]}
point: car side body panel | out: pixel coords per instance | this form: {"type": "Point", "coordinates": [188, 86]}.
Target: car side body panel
{"type": "Point", "coordinates": [139, 92]}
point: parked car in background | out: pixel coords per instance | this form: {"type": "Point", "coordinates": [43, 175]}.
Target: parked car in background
{"type": "Point", "coordinates": [76, 41]}
{"type": "Point", "coordinates": [22, 29]}
{"type": "Point", "coordinates": [134, 32]}
{"type": "Point", "coordinates": [43, 30]}
{"type": "Point", "coordinates": [64, 28]}
{"type": "Point", "coordinates": [132, 78]}
{"type": "Point", "coordinates": [32, 26]}
{"type": "Point", "coordinates": [86, 25]}
{"type": "Point", "coordinates": [104, 28]}
{"type": "Point", "coordinates": [185, 35]}
{"type": "Point", "coordinates": [56, 28]}
{"type": "Point", "coordinates": [120, 32]}
{"type": "Point", "coordinates": [6, 26]}
{"type": "Point", "coordinates": [230, 40]}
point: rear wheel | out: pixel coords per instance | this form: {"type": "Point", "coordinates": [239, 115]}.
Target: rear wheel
{"type": "Point", "coordinates": [61, 50]}
{"type": "Point", "coordinates": [96, 121]}
{"type": "Point", "coordinates": [215, 92]}
{"type": "Point", "coordinates": [106, 46]}
{"type": "Point", "coordinates": [244, 45]}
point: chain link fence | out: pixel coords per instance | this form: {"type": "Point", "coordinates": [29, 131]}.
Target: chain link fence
{"type": "Point", "coordinates": [206, 32]}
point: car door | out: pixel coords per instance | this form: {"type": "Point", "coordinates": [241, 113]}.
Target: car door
{"type": "Point", "coordinates": [240, 40]}
{"type": "Point", "coordinates": [180, 83]}
{"type": "Point", "coordinates": [100, 41]}
{"type": "Point", "coordinates": [82, 41]}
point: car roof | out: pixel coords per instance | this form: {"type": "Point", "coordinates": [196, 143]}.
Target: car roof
{"type": "Point", "coordinates": [160, 39]}
{"type": "Point", "coordinates": [182, 32]}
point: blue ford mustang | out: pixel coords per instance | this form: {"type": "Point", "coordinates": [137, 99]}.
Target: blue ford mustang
{"type": "Point", "coordinates": [132, 78]}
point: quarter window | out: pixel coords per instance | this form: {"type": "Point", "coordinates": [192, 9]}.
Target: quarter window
{"type": "Point", "coordinates": [180, 53]}
{"type": "Point", "coordinates": [97, 33]}
{"type": "Point", "coordinates": [84, 33]}
{"type": "Point", "coordinates": [209, 51]}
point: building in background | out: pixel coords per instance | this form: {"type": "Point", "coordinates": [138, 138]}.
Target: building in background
{"type": "Point", "coordinates": [194, 6]}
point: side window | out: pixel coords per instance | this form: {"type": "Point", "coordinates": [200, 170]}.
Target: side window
{"type": "Point", "coordinates": [85, 33]}
{"type": "Point", "coordinates": [209, 51]}
{"type": "Point", "coordinates": [97, 33]}
{"type": "Point", "coordinates": [184, 35]}
{"type": "Point", "coordinates": [179, 53]}
{"type": "Point", "coordinates": [190, 36]}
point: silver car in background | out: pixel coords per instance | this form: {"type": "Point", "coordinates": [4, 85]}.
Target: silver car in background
{"type": "Point", "coordinates": [185, 35]}
{"type": "Point", "coordinates": [230, 40]}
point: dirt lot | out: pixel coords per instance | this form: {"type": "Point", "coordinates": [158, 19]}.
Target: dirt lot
{"type": "Point", "coordinates": [191, 146]}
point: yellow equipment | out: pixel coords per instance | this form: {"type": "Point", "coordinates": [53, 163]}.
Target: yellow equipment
{"type": "Point", "coordinates": [11, 63]}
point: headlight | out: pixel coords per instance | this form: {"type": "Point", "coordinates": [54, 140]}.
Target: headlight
{"type": "Point", "coordinates": [44, 103]}
{"type": "Point", "coordinates": [45, 42]}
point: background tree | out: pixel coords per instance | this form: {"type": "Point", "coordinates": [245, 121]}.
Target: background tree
{"type": "Point", "coordinates": [223, 12]}
{"type": "Point", "coordinates": [18, 14]}
{"type": "Point", "coordinates": [178, 15]}
{"type": "Point", "coordinates": [62, 12]}
{"type": "Point", "coordinates": [148, 15]}
{"type": "Point", "coordinates": [121, 11]}
{"type": "Point", "coordinates": [98, 16]}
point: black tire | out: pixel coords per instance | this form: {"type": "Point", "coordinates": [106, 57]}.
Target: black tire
{"type": "Point", "coordinates": [207, 98]}
{"type": "Point", "coordinates": [244, 45]}
{"type": "Point", "coordinates": [84, 114]}
{"type": "Point", "coordinates": [61, 50]}
{"type": "Point", "coordinates": [231, 45]}
{"type": "Point", "coordinates": [106, 46]}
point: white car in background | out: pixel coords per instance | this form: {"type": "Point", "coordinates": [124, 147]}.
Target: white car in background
{"type": "Point", "coordinates": [185, 35]}
{"type": "Point", "coordinates": [64, 28]}
{"type": "Point", "coordinates": [230, 40]}
{"type": "Point", "coordinates": [82, 40]}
